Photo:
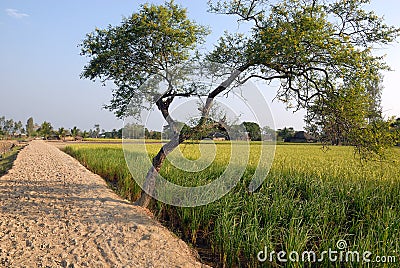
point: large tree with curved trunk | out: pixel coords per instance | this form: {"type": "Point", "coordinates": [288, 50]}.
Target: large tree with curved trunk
{"type": "Point", "coordinates": [310, 46]}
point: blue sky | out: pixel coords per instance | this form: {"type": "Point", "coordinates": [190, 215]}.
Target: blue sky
{"type": "Point", "coordinates": [40, 62]}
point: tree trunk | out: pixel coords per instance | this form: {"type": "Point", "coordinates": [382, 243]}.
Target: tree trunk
{"type": "Point", "coordinates": [150, 181]}
{"type": "Point", "coordinates": [163, 105]}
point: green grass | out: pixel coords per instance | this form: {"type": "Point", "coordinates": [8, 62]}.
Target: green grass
{"type": "Point", "coordinates": [7, 160]}
{"type": "Point", "coordinates": [310, 199]}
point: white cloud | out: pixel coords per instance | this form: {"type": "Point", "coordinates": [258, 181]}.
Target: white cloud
{"type": "Point", "coordinates": [15, 13]}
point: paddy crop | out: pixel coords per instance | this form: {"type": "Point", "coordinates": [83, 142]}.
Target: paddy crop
{"type": "Point", "coordinates": [310, 200]}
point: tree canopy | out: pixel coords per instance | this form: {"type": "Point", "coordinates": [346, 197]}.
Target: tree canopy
{"type": "Point", "coordinates": [253, 130]}
{"type": "Point", "coordinates": [357, 103]}
{"type": "Point", "coordinates": [30, 127]}
{"type": "Point", "coordinates": [310, 46]}
{"type": "Point", "coordinates": [45, 129]}
{"type": "Point", "coordinates": [320, 51]}
{"type": "Point", "coordinates": [148, 43]}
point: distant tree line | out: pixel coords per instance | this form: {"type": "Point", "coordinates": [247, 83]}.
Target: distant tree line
{"type": "Point", "coordinates": [10, 128]}
{"type": "Point", "coordinates": [15, 129]}
{"type": "Point", "coordinates": [244, 131]}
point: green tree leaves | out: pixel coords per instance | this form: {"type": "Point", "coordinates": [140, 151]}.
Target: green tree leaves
{"type": "Point", "coordinates": [154, 39]}
{"type": "Point", "coordinates": [45, 130]}
{"type": "Point", "coordinates": [321, 51]}
{"type": "Point", "coordinates": [310, 46]}
{"type": "Point", "coordinates": [30, 127]}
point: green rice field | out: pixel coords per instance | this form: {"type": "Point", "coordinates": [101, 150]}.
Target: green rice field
{"type": "Point", "coordinates": [311, 200]}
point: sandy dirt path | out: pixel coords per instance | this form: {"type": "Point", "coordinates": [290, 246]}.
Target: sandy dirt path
{"type": "Point", "coordinates": [56, 213]}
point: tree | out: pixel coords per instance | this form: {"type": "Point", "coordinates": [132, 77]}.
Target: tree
{"type": "Point", "coordinates": [133, 131]}
{"type": "Point", "coordinates": [237, 132]}
{"type": "Point", "coordinates": [336, 118]}
{"type": "Point", "coordinates": [119, 133]}
{"type": "Point", "coordinates": [45, 130]}
{"type": "Point", "coordinates": [253, 130]}
{"type": "Point", "coordinates": [75, 131]}
{"type": "Point", "coordinates": [29, 127]}
{"type": "Point", "coordinates": [8, 127]}
{"type": "Point", "coordinates": [114, 133]}
{"type": "Point", "coordinates": [146, 133]}
{"type": "Point", "coordinates": [285, 134]}
{"type": "Point", "coordinates": [155, 135]}
{"type": "Point", "coordinates": [96, 131]}
{"type": "Point", "coordinates": [309, 46]}
{"type": "Point", "coordinates": [85, 134]}
{"type": "Point", "coordinates": [152, 40]}
{"type": "Point", "coordinates": [18, 128]}
{"type": "Point", "coordinates": [268, 133]}
{"type": "Point", "coordinates": [376, 138]}
{"type": "Point", "coordinates": [62, 132]}
{"type": "Point", "coordinates": [2, 122]}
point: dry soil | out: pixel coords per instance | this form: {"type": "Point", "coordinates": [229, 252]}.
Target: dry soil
{"type": "Point", "coordinates": [56, 213]}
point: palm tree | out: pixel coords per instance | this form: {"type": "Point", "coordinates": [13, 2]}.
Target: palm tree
{"type": "Point", "coordinates": [75, 131]}
{"type": "Point", "coordinates": [62, 132]}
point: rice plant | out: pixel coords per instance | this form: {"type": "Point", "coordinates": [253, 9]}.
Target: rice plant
{"type": "Point", "coordinates": [310, 200]}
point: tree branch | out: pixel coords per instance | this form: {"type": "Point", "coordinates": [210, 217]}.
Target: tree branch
{"type": "Point", "coordinates": [223, 86]}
